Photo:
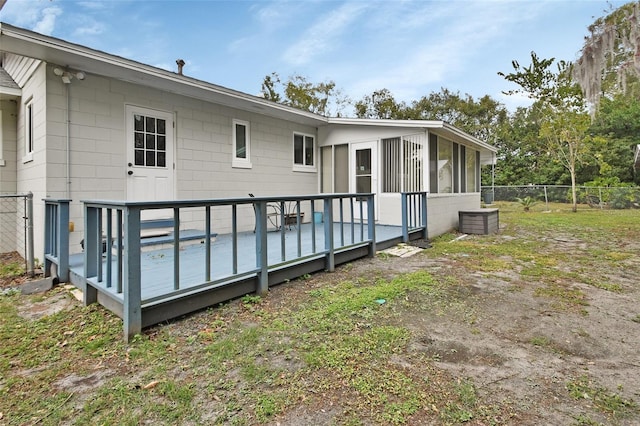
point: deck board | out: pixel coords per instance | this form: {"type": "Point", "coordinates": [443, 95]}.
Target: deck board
{"type": "Point", "coordinates": [157, 265]}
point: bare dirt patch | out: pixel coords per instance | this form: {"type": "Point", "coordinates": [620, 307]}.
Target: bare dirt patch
{"type": "Point", "coordinates": [518, 347]}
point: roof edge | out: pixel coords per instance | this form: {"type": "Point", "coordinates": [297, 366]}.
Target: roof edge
{"type": "Point", "coordinates": [418, 124]}
{"type": "Point", "coordinates": [22, 34]}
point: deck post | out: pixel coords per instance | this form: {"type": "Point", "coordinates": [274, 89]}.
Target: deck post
{"type": "Point", "coordinates": [328, 235]}
{"type": "Point", "coordinates": [405, 219]}
{"type": "Point", "coordinates": [262, 263]}
{"type": "Point", "coordinates": [425, 231]}
{"type": "Point", "coordinates": [91, 253]}
{"type": "Point", "coordinates": [56, 238]}
{"type": "Point", "coordinates": [63, 241]}
{"type": "Point", "coordinates": [371, 223]}
{"type": "Point", "coordinates": [132, 309]}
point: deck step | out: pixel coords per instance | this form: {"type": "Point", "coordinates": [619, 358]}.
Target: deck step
{"type": "Point", "coordinates": [186, 237]}
{"type": "Point", "coordinates": [156, 223]}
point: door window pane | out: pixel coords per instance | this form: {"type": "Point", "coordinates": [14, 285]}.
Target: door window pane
{"type": "Point", "coordinates": [150, 125]}
{"type": "Point", "coordinates": [151, 158]}
{"type": "Point", "coordinates": [363, 162]}
{"type": "Point", "coordinates": [363, 184]}
{"type": "Point", "coordinates": [138, 123]}
{"type": "Point", "coordinates": [149, 141]}
{"type": "Point", "coordinates": [139, 157]}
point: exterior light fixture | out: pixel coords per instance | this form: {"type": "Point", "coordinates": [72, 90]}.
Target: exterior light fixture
{"type": "Point", "coordinates": [67, 76]}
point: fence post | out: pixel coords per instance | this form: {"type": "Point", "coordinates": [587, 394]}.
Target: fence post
{"type": "Point", "coordinates": [30, 252]}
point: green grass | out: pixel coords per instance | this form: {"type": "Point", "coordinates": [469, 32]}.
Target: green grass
{"type": "Point", "coordinates": [608, 402]}
{"type": "Point", "coordinates": [12, 269]}
{"type": "Point", "coordinates": [248, 362]}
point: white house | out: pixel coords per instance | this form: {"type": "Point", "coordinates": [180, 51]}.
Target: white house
{"type": "Point", "coordinates": [80, 124]}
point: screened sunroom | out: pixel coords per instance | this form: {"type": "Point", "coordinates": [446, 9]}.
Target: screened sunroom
{"type": "Point", "coordinates": [390, 157]}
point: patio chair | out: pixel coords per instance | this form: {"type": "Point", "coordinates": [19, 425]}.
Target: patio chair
{"type": "Point", "coordinates": [273, 214]}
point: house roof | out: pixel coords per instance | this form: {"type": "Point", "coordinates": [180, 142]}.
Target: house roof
{"type": "Point", "coordinates": [27, 43]}
{"type": "Point", "coordinates": [436, 126]}
{"type": "Point", "coordinates": [90, 61]}
{"type": "Point", "coordinates": [8, 87]}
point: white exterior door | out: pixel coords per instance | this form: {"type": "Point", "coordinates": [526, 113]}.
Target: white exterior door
{"type": "Point", "coordinates": [150, 148]}
{"type": "Point", "coordinates": [364, 169]}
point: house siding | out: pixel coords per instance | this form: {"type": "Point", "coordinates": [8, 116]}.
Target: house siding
{"type": "Point", "coordinates": [8, 146]}
{"type": "Point", "coordinates": [8, 185]}
{"type": "Point", "coordinates": [203, 148]}
{"type": "Point", "coordinates": [442, 211]}
{"type": "Point", "coordinates": [31, 169]}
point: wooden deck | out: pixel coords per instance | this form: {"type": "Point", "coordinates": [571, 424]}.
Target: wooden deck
{"type": "Point", "coordinates": [145, 285]}
{"type": "Point", "coordinates": [157, 264]}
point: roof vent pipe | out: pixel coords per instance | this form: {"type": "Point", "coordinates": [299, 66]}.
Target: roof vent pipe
{"type": "Point", "coordinates": [180, 63]}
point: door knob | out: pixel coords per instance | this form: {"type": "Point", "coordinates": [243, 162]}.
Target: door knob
{"type": "Point", "coordinates": [130, 165]}
{"type": "Point", "coordinates": [130, 172]}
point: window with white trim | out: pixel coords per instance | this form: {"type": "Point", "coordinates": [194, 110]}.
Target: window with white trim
{"type": "Point", "coordinates": [29, 140]}
{"type": "Point", "coordinates": [241, 144]}
{"type": "Point", "coordinates": [303, 151]}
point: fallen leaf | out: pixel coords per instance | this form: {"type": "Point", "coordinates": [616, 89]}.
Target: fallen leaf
{"type": "Point", "coordinates": [151, 385]}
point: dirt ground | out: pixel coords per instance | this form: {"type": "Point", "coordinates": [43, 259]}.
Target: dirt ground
{"type": "Point", "coordinates": [517, 348]}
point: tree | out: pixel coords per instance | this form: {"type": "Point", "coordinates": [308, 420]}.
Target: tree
{"type": "Point", "coordinates": [617, 123]}
{"type": "Point", "coordinates": [610, 57]}
{"type": "Point", "coordinates": [380, 105]}
{"type": "Point", "coordinates": [481, 118]}
{"type": "Point", "coordinates": [319, 98]}
{"type": "Point", "coordinates": [268, 88]}
{"type": "Point", "coordinates": [564, 121]}
{"type": "Point", "coordinates": [522, 158]}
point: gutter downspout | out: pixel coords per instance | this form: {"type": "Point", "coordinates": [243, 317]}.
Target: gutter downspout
{"type": "Point", "coordinates": [68, 140]}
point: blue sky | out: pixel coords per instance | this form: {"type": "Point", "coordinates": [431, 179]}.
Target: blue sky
{"type": "Point", "coordinates": [410, 47]}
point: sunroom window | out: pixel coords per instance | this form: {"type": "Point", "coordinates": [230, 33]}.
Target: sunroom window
{"type": "Point", "coordinates": [402, 159]}
{"type": "Point", "coordinates": [445, 166]}
{"type": "Point", "coordinates": [471, 170]}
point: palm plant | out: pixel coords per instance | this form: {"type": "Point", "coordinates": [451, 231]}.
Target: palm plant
{"type": "Point", "coordinates": [527, 203]}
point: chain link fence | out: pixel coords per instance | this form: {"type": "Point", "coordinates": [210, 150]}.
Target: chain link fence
{"type": "Point", "coordinates": [625, 197]}
{"type": "Point", "coordinates": [16, 228]}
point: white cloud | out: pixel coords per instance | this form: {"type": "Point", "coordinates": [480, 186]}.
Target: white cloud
{"type": "Point", "coordinates": [25, 13]}
{"type": "Point", "coordinates": [324, 34]}
{"type": "Point", "coordinates": [89, 27]}
{"type": "Point", "coordinates": [437, 50]}
{"type": "Point", "coordinates": [46, 24]}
